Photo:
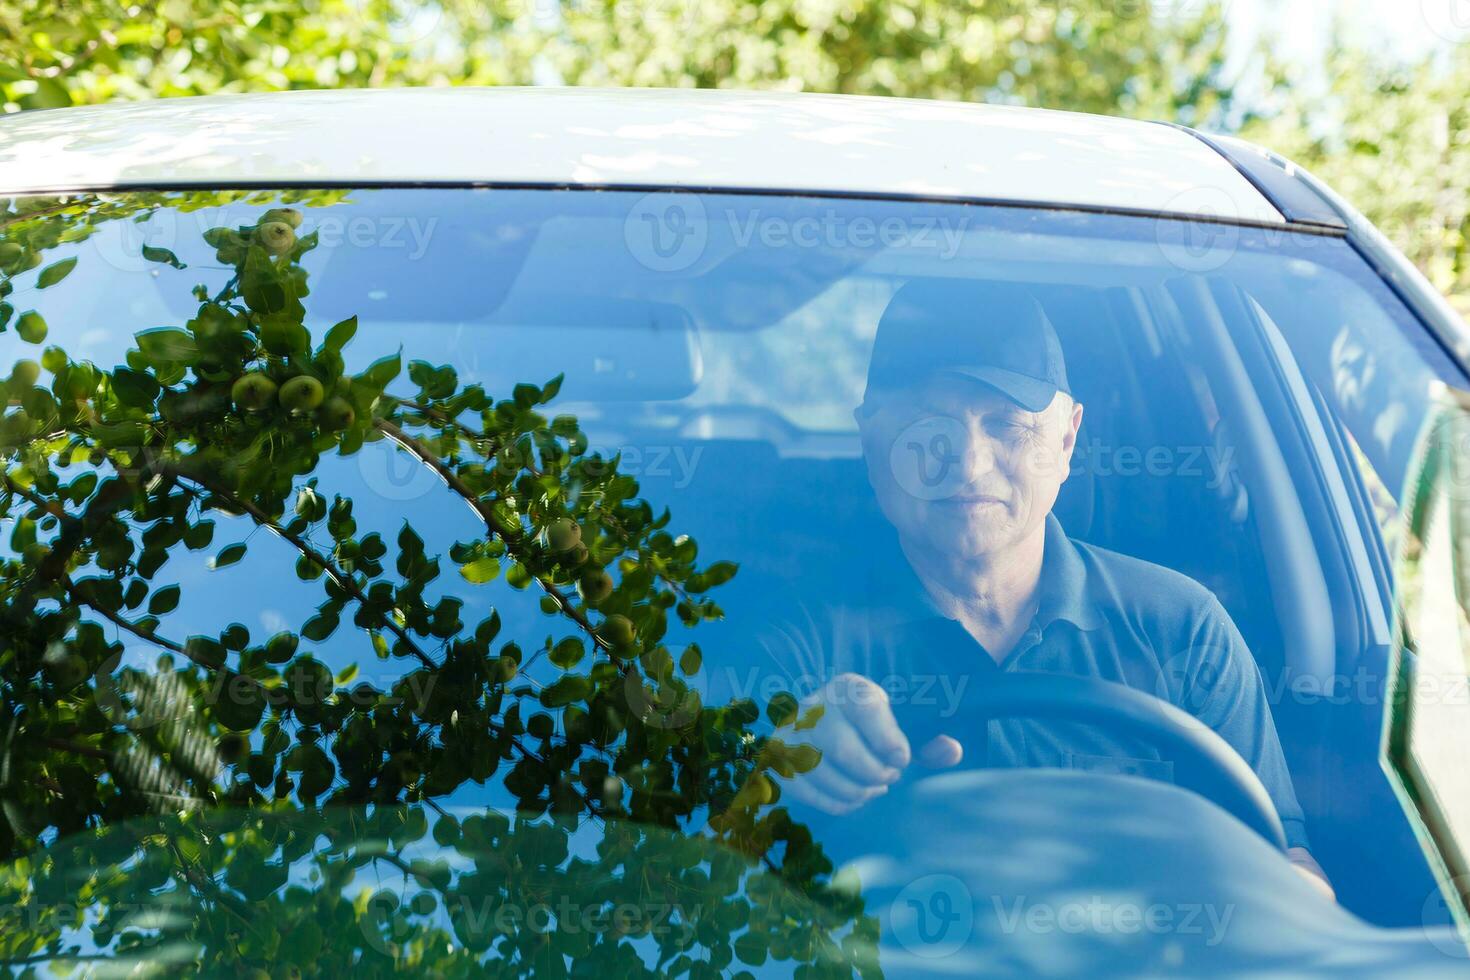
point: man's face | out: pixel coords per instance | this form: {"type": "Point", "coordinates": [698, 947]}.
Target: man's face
{"type": "Point", "coordinates": [961, 469]}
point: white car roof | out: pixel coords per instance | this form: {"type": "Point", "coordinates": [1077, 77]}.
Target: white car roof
{"type": "Point", "coordinates": [640, 138]}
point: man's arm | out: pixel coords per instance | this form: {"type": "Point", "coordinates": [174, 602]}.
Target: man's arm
{"type": "Point", "coordinates": [1230, 697]}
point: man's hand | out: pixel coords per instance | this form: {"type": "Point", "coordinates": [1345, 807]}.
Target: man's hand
{"type": "Point", "coordinates": [1302, 860]}
{"type": "Point", "coordinates": [863, 750]}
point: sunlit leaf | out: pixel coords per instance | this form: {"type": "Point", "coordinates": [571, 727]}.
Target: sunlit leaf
{"type": "Point", "coordinates": [55, 272]}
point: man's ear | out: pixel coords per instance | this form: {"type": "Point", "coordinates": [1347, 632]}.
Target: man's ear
{"type": "Point", "coordinates": [1069, 438]}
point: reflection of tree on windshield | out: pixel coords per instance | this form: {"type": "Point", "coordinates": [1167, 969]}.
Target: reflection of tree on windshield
{"type": "Point", "coordinates": [110, 472]}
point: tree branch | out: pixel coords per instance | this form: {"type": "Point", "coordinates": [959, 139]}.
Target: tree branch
{"type": "Point", "coordinates": [429, 411]}
{"type": "Point", "coordinates": [65, 746]}
{"type": "Point", "coordinates": [512, 537]}
{"type": "Point", "coordinates": [343, 580]}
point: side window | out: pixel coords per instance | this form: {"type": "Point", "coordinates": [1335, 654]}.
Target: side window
{"type": "Point", "coordinates": [1429, 724]}
{"type": "Point", "coordinates": [1381, 502]}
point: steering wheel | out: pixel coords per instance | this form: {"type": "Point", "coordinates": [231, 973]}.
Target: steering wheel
{"type": "Point", "coordinates": [1203, 761]}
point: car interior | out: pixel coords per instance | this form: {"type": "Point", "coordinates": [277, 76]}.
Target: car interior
{"type": "Point", "coordinates": [1266, 474]}
{"type": "Point", "coordinates": [1275, 518]}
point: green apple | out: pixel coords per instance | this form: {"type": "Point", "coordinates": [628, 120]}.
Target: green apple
{"type": "Point", "coordinates": [507, 461]}
{"type": "Point", "coordinates": [302, 394]}
{"type": "Point", "coordinates": [563, 535]}
{"type": "Point", "coordinates": [31, 327]}
{"type": "Point", "coordinates": [24, 374]}
{"type": "Point", "coordinates": [596, 586]}
{"type": "Point", "coordinates": [289, 216]}
{"type": "Point", "coordinates": [276, 237]}
{"type": "Point", "coordinates": [617, 631]}
{"type": "Point", "coordinates": [254, 392]}
{"type": "Point", "coordinates": [336, 414]}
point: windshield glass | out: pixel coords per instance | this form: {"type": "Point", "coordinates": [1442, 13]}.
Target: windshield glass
{"type": "Point", "coordinates": [420, 579]}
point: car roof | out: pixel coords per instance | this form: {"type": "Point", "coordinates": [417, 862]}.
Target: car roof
{"type": "Point", "coordinates": [643, 138]}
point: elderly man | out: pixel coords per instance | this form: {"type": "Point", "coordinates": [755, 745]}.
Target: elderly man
{"type": "Point", "coordinates": [967, 383]}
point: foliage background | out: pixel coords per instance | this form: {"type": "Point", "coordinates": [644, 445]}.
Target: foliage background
{"type": "Point", "coordinates": [1392, 134]}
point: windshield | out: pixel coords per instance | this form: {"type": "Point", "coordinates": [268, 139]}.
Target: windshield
{"type": "Point", "coordinates": [425, 579]}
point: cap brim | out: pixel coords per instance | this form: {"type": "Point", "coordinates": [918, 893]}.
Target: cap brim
{"type": "Point", "coordinates": [1032, 394]}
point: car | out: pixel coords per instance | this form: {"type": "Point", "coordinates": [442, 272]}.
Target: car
{"type": "Point", "coordinates": [449, 531]}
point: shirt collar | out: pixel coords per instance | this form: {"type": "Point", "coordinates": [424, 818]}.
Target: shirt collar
{"type": "Point", "coordinates": [1063, 591]}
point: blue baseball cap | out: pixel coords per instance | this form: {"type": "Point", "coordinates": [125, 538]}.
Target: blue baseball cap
{"type": "Point", "coordinates": [993, 332]}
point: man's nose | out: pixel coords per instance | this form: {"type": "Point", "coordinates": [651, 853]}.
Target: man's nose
{"type": "Point", "coordinates": [979, 453]}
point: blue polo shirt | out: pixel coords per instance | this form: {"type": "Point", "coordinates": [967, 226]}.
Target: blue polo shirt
{"type": "Point", "coordinates": [1099, 614]}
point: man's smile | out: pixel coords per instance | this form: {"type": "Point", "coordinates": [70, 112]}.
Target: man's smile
{"type": "Point", "coordinates": [976, 499]}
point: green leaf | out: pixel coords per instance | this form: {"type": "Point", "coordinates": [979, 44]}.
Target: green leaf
{"type": "Point", "coordinates": [691, 660]}
{"type": "Point", "coordinates": [134, 388]}
{"type": "Point", "coordinates": [565, 690]}
{"type": "Point", "coordinates": [382, 371]}
{"type": "Point", "coordinates": [281, 647]}
{"type": "Point", "coordinates": [720, 572]}
{"type": "Point", "coordinates": [199, 535]}
{"type": "Point", "coordinates": [205, 650]}
{"type": "Point", "coordinates": [340, 334]}
{"type": "Point", "coordinates": [525, 395]}
{"type": "Point", "coordinates": [228, 555]}
{"type": "Point", "coordinates": [81, 488]}
{"type": "Point", "coordinates": [154, 254]}
{"type": "Point", "coordinates": [321, 626]}
{"type": "Point", "coordinates": [240, 703]}
{"type": "Point", "coordinates": [568, 653]}
{"type": "Point", "coordinates": [782, 709]}
{"type": "Point", "coordinates": [55, 272]}
{"type": "Point", "coordinates": [283, 336]}
{"type": "Point", "coordinates": [480, 571]}
{"type": "Point", "coordinates": [163, 601]}
{"type": "Point", "coordinates": [261, 283]}
{"type": "Point", "coordinates": [166, 345]}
